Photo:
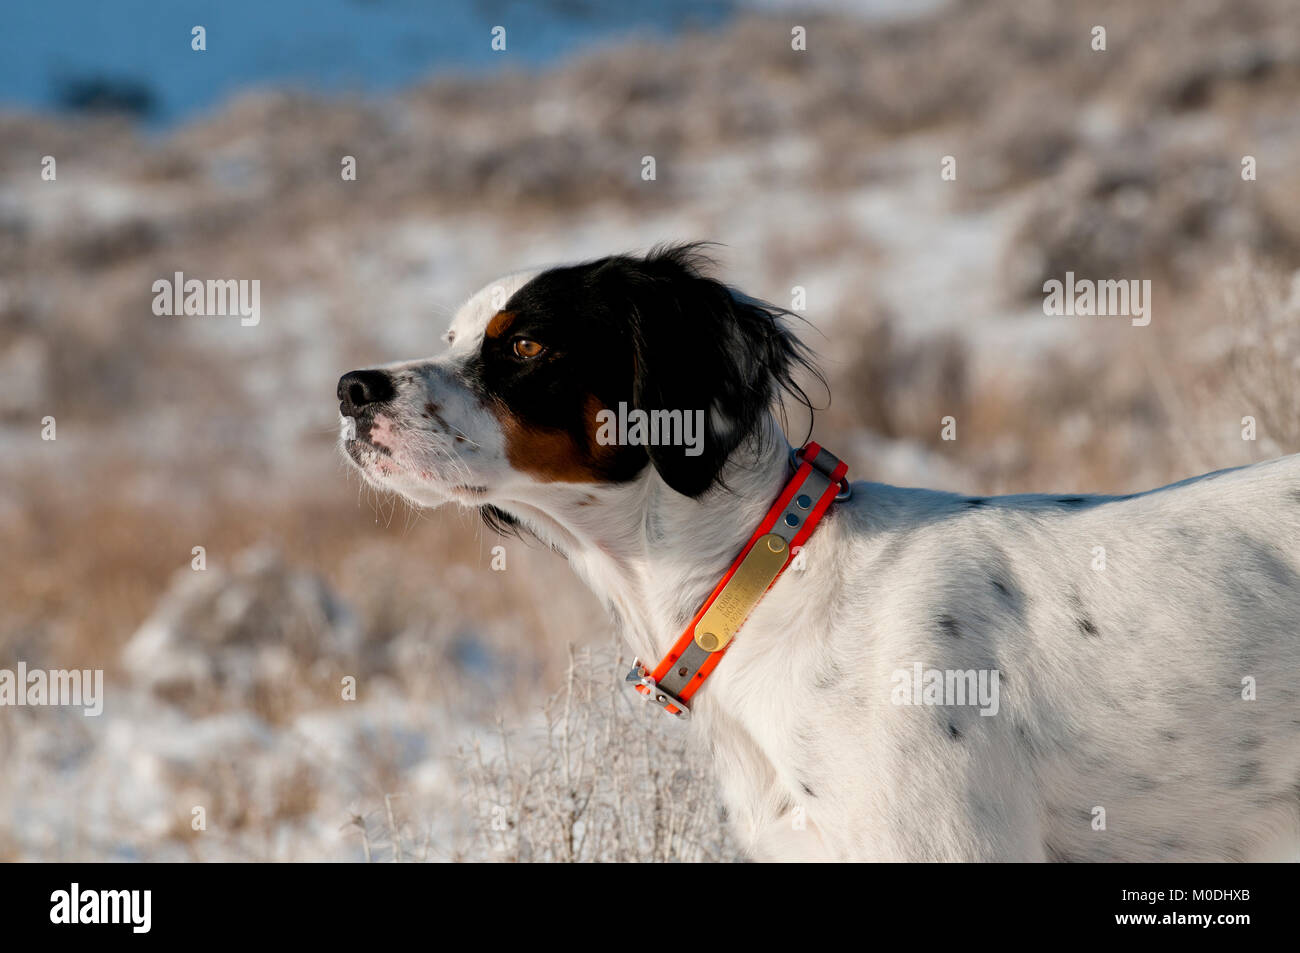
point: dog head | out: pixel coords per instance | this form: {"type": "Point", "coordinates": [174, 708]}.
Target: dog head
{"type": "Point", "coordinates": [593, 375]}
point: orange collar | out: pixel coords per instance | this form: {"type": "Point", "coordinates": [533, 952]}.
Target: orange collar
{"type": "Point", "coordinates": [819, 480]}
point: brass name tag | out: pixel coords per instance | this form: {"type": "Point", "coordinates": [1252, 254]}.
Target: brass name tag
{"type": "Point", "coordinates": [741, 593]}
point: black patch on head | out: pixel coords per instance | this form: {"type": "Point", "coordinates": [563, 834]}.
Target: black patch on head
{"type": "Point", "coordinates": [657, 334]}
{"type": "Point", "coordinates": [949, 626]}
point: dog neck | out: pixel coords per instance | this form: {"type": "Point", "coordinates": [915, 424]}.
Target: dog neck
{"type": "Point", "coordinates": [653, 555]}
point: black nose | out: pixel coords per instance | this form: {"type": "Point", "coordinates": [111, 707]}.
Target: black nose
{"type": "Point", "coordinates": [359, 388]}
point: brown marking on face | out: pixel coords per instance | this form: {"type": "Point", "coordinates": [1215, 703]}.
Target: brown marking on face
{"type": "Point", "coordinates": [556, 455]}
{"type": "Point", "coordinates": [499, 324]}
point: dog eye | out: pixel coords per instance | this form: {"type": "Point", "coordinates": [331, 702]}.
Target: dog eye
{"type": "Point", "coordinates": [526, 348]}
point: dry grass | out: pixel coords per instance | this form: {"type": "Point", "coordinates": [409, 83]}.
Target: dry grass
{"type": "Point", "coordinates": [1265, 356]}
{"type": "Point", "coordinates": [609, 779]}
{"type": "Point", "coordinates": [179, 433]}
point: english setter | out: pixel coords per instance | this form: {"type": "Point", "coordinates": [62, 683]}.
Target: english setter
{"type": "Point", "coordinates": [1131, 664]}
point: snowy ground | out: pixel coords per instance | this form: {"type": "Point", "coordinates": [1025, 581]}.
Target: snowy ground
{"type": "Point", "coordinates": [819, 170]}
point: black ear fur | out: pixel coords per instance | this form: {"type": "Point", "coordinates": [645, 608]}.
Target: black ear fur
{"type": "Point", "coordinates": [698, 346]}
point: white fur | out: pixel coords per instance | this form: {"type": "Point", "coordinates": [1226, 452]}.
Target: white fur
{"type": "Point", "coordinates": [1121, 688]}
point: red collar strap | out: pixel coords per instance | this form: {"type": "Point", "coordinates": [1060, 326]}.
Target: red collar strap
{"type": "Point", "coordinates": [819, 480]}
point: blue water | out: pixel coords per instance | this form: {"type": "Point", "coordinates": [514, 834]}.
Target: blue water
{"type": "Point", "coordinates": [134, 56]}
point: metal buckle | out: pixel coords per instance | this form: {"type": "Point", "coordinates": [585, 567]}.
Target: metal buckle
{"type": "Point", "coordinates": [846, 488]}
{"type": "Point", "coordinates": [639, 675]}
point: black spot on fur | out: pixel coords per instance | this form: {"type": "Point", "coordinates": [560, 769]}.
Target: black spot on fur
{"type": "Point", "coordinates": [432, 412]}
{"type": "Point", "coordinates": [1247, 774]}
{"type": "Point", "coordinates": [953, 731]}
{"type": "Point", "coordinates": [1055, 854]}
{"type": "Point", "coordinates": [829, 676]}
{"type": "Point", "coordinates": [501, 522]}
{"type": "Point", "coordinates": [1143, 783]}
{"type": "Point", "coordinates": [949, 626]}
{"type": "Point", "coordinates": [1010, 596]}
{"type": "Point", "coordinates": [894, 548]}
{"type": "Point", "coordinates": [1027, 742]}
{"type": "Point", "coordinates": [806, 790]}
{"type": "Point", "coordinates": [1081, 618]}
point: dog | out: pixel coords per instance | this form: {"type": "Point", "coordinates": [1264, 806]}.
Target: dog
{"type": "Point", "coordinates": [1136, 658]}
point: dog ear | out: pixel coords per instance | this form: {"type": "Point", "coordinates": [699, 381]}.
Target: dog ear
{"type": "Point", "coordinates": [699, 347]}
